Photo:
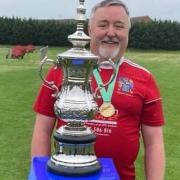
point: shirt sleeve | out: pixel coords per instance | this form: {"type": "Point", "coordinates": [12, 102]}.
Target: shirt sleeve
{"type": "Point", "coordinates": [44, 103]}
{"type": "Point", "coordinates": [152, 113]}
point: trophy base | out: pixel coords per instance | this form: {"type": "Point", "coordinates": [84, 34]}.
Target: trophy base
{"type": "Point", "coordinates": [74, 154]}
{"type": "Point", "coordinates": [73, 170]}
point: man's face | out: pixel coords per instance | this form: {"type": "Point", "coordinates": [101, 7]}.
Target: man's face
{"type": "Point", "coordinates": [109, 28]}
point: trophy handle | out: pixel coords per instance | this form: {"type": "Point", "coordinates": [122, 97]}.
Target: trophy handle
{"type": "Point", "coordinates": [44, 60]}
{"type": "Point", "coordinates": [105, 63]}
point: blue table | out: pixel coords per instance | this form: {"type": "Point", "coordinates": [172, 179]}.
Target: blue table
{"type": "Point", "coordinates": [38, 171]}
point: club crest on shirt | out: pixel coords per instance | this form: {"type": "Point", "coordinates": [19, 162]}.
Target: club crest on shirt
{"type": "Point", "coordinates": [125, 85]}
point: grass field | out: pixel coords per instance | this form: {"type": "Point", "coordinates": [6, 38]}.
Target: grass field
{"type": "Point", "coordinates": [19, 82]}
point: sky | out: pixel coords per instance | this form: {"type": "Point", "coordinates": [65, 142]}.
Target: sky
{"type": "Point", "coordinates": [66, 9]}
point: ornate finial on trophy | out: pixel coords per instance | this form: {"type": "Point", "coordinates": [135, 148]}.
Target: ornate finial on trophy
{"type": "Point", "coordinates": [79, 38]}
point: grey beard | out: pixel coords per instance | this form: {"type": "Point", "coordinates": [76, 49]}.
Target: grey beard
{"type": "Point", "coordinates": [108, 54]}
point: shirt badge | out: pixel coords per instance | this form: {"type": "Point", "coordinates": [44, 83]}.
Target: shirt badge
{"type": "Point", "coordinates": [125, 85]}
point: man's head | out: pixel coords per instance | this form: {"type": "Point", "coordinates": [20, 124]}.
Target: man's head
{"type": "Point", "coordinates": [109, 26]}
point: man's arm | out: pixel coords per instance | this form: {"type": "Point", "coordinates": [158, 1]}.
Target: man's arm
{"type": "Point", "coordinates": [41, 139]}
{"type": "Point", "coordinates": [154, 152]}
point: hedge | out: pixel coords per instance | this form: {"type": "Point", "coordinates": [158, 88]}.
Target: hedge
{"type": "Point", "coordinates": [152, 35]}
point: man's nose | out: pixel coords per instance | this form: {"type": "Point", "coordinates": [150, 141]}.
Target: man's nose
{"type": "Point", "coordinates": [111, 31]}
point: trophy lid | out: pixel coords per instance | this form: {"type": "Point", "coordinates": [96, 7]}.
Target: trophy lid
{"type": "Point", "coordinates": [79, 39]}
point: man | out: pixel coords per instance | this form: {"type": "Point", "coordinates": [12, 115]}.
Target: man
{"type": "Point", "coordinates": [134, 96]}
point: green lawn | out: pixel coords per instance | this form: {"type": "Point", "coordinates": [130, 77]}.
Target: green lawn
{"type": "Point", "coordinates": [19, 84]}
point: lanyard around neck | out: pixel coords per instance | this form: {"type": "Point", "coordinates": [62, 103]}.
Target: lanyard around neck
{"type": "Point", "coordinates": [106, 94]}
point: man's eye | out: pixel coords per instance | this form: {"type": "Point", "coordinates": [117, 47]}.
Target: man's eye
{"type": "Point", "coordinates": [102, 25]}
{"type": "Point", "coordinates": [119, 26]}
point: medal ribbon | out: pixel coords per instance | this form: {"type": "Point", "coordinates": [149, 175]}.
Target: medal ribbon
{"type": "Point", "coordinates": [106, 94]}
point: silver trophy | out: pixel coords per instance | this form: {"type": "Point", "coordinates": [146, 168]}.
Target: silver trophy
{"type": "Point", "coordinates": [75, 103]}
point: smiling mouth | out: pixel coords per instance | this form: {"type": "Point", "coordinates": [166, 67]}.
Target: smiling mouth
{"type": "Point", "coordinates": [110, 42]}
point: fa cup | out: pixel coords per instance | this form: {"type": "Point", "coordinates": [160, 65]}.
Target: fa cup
{"type": "Point", "coordinates": [75, 103]}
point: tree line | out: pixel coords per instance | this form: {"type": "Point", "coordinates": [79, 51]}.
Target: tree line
{"type": "Point", "coordinates": [152, 35]}
{"type": "Point", "coordinates": [155, 35]}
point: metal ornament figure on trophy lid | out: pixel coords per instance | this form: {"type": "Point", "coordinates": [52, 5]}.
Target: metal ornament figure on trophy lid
{"type": "Point", "coordinates": [75, 103]}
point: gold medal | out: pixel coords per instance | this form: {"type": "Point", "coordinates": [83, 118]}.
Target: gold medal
{"type": "Point", "coordinates": [107, 109]}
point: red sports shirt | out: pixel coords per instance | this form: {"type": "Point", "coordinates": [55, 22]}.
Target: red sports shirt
{"type": "Point", "coordinates": [137, 101]}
